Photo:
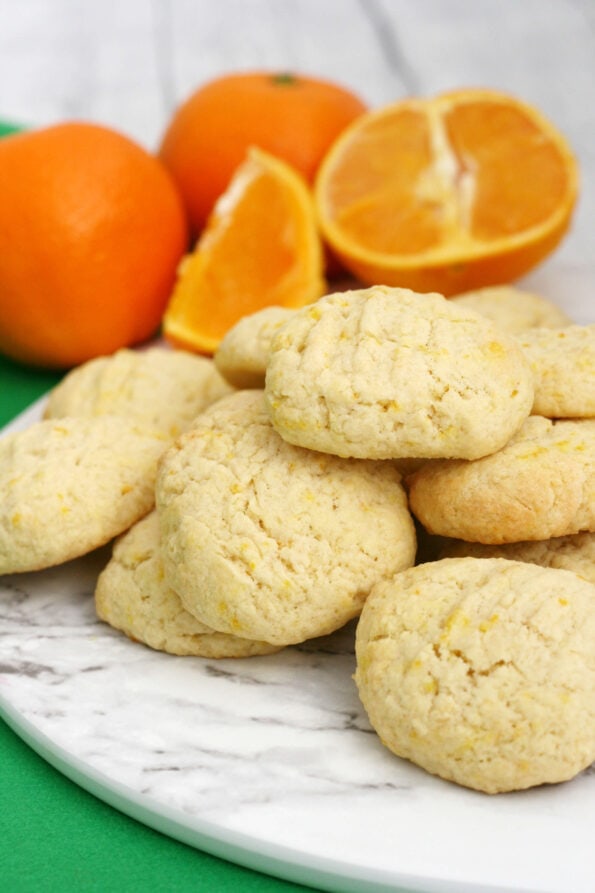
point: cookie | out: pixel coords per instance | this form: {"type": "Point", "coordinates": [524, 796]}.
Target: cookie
{"type": "Point", "coordinates": [267, 541]}
{"type": "Point", "coordinates": [574, 553]}
{"type": "Point", "coordinates": [243, 354]}
{"type": "Point", "coordinates": [563, 366]}
{"type": "Point", "coordinates": [132, 596]}
{"type": "Point", "coordinates": [160, 389]}
{"type": "Point", "coordinates": [482, 671]}
{"type": "Point", "coordinates": [385, 373]}
{"type": "Point", "coordinates": [540, 485]}
{"type": "Point", "coordinates": [69, 486]}
{"type": "Point", "coordinates": [513, 309]}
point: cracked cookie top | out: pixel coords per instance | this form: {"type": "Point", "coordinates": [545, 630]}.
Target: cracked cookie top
{"type": "Point", "coordinates": [132, 595]}
{"type": "Point", "coordinates": [268, 541]}
{"type": "Point", "coordinates": [482, 671]}
{"type": "Point", "coordinates": [161, 389]}
{"type": "Point", "coordinates": [513, 309]}
{"type": "Point", "coordinates": [243, 354]}
{"type": "Point", "coordinates": [540, 485]}
{"type": "Point", "coordinates": [563, 365]}
{"type": "Point", "coordinates": [70, 485]}
{"type": "Point", "coordinates": [385, 373]}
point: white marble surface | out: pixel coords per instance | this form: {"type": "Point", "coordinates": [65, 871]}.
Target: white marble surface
{"type": "Point", "coordinates": [277, 750]}
{"type": "Point", "coordinates": [268, 761]}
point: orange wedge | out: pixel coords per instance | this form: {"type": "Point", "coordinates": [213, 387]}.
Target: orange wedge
{"type": "Point", "coordinates": [464, 190]}
{"type": "Point", "coordinates": [260, 247]}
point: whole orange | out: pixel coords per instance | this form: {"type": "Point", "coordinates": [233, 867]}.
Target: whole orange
{"type": "Point", "coordinates": [92, 229]}
{"type": "Point", "coordinates": [291, 116]}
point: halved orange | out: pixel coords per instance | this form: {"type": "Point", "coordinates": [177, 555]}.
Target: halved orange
{"type": "Point", "coordinates": [467, 189]}
{"type": "Point", "coordinates": [260, 247]}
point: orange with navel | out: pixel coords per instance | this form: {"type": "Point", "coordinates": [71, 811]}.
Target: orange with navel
{"type": "Point", "coordinates": [464, 190]}
{"type": "Point", "coordinates": [92, 230]}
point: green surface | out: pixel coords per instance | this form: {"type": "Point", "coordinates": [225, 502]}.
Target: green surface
{"type": "Point", "coordinates": [57, 838]}
{"type": "Point", "coordinates": [54, 836]}
{"type": "Point", "coordinates": [7, 127]}
{"type": "Point", "coordinates": [20, 386]}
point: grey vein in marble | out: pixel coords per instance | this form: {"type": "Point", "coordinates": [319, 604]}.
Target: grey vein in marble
{"type": "Point", "coordinates": [276, 747]}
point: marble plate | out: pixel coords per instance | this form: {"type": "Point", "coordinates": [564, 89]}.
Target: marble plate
{"type": "Point", "coordinates": [268, 762]}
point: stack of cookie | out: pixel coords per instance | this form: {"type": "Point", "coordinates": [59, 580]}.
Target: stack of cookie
{"type": "Point", "coordinates": [273, 494]}
{"type": "Point", "coordinates": [480, 669]}
{"type": "Point", "coordinates": [86, 472]}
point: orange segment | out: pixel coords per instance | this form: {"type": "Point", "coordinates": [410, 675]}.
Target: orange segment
{"type": "Point", "coordinates": [468, 189]}
{"type": "Point", "coordinates": [208, 135]}
{"type": "Point", "coordinates": [260, 247]}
